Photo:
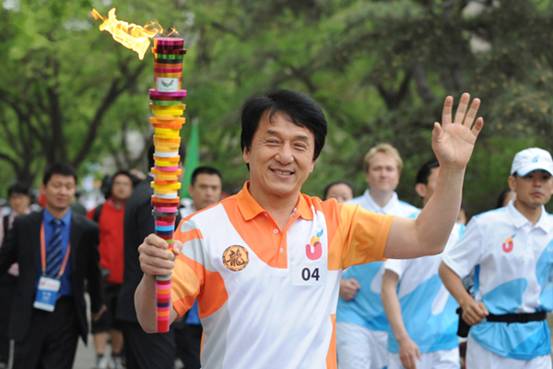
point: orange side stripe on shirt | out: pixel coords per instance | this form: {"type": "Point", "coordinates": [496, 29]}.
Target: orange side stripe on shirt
{"type": "Point", "coordinates": [188, 276]}
{"type": "Point", "coordinates": [214, 294]}
{"type": "Point", "coordinates": [331, 354]}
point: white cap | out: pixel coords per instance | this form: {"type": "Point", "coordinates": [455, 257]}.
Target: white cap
{"type": "Point", "coordinates": [531, 159]}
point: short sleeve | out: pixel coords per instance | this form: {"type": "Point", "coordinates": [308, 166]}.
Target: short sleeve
{"type": "Point", "coordinates": [362, 234]}
{"type": "Point", "coordinates": [463, 256]}
{"type": "Point", "coordinates": [397, 266]}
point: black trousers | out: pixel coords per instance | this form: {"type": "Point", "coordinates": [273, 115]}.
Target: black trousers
{"type": "Point", "coordinates": [52, 339]}
{"type": "Point", "coordinates": [188, 339]}
{"type": "Point", "coordinates": [148, 351]}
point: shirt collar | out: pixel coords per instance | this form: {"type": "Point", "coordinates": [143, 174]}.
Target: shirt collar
{"type": "Point", "coordinates": [48, 217]}
{"type": "Point", "coordinates": [518, 220]}
{"type": "Point", "coordinates": [392, 203]}
{"type": "Point", "coordinates": [250, 208]}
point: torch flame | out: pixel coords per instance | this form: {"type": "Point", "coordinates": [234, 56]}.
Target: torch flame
{"type": "Point", "coordinates": [132, 36]}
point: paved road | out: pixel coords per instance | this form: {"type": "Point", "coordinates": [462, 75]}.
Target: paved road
{"type": "Point", "coordinates": [85, 355]}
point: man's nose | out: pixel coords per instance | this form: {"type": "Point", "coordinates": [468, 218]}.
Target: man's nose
{"type": "Point", "coordinates": [285, 155]}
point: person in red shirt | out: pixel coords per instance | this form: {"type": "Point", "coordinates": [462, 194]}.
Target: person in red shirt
{"type": "Point", "coordinates": [110, 217]}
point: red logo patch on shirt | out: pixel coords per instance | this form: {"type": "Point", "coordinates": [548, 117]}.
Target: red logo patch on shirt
{"type": "Point", "coordinates": [508, 245]}
{"type": "Point", "coordinates": [314, 249]}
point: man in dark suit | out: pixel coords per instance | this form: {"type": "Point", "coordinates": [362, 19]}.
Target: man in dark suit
{"type": "Point", "coordinates": [142, 350]}
{"type": "Point", "coordinates": [57, 251]}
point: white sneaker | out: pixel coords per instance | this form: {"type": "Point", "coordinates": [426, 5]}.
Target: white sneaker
{"type": "Point", "coordinates": [117, 362]}
{"type": "Point", "coordinates": [102, 362]}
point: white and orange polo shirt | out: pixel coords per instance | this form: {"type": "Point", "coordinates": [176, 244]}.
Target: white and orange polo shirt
{"type": "Point", "coordinates": [267, 296]}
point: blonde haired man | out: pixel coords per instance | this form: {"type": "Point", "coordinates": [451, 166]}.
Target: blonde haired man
{"type": "Point", "coordinates": [386, 149]}
{"type": "Point", "coordinates": [361, 336]}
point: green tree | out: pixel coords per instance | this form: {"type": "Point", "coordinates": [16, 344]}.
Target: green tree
{"type": "Point", "coordinates": [64, 84]}
{"type": "Point", "coordinates": [379, 68]}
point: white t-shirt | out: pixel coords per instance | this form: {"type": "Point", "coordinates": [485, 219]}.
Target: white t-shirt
{"type": "Point", "coordinates": [427, 308]}
{"type": "Point", "coordinates": [366, 308]}
{"type": "Point", "coordinates": [512, 261]}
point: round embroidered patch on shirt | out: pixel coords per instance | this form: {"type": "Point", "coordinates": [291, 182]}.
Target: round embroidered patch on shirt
{"type": "Point", "coordinates": [235, 258]}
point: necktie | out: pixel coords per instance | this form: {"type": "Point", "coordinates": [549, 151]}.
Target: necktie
{"type": "Point", "coordinates": [54, 256]}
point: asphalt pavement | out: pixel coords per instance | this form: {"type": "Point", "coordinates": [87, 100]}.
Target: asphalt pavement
{"type": "Point", "coordinates": [85, 358]}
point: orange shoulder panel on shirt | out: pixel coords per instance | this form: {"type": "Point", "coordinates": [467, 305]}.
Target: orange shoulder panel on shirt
{"type": "Point", "coordinates": [193, 234]}
{"type": "Point", "coordinates": [360, 237]}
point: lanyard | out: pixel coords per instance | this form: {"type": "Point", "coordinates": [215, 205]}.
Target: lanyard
{"type": "Point", "coordinates": [43, 254]}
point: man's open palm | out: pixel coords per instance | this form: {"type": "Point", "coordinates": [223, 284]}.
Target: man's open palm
{"type": "Point", "coordinates": [453, 140]}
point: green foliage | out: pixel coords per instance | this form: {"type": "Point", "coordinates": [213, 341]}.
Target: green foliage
{"type": "Point", "coordinates": [380, 69]}
{"type": "Point", "coordinates": [64, 85]}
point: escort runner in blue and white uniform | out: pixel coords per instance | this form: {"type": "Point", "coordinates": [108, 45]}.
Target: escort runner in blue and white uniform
{"type": "Point", "coordinates": [420, 310]}
{"type": "Point", "coordinates": [362, 326]}
{"type": "Point", "coordinates": [510, 251]}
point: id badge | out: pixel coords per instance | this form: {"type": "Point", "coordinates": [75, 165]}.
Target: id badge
{"type": "Point", "coordinates": [47, 293]}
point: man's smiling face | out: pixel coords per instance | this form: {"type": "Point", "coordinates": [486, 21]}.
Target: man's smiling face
{"type": "Point", "coordinates": [280, 157]}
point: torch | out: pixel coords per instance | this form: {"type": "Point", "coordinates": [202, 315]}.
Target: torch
{"type": "Point", "coordinates": [167, 108]}
{"type": "Point", "coordinates": [167, 119]}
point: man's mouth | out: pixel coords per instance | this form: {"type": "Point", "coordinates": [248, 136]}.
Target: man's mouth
{"type": "Point", "coordinates": [282, 172]}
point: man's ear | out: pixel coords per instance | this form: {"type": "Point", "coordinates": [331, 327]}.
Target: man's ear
{"type": "Point", "coordinates": [313, 163]}
{"type": "Point", "coordinates": [421, 189]}
{"type": "Point", "coordinates": [512, 182]}
{"type": "Point", "coordinates": [246, 155]}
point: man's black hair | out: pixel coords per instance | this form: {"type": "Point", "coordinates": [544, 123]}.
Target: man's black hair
{"type": "Point", "coordinates": [302, 111]}
{"type": "Point", "coordinates": [204, 170]}
{"type": "Point", "coordinates": [19, 188]}
{"type": "Point", "coordinates": [331, 184]}
{"type": "Point", "coordinates": [60, 169]}
{"type": "Point", "coordinates": [426, 170]}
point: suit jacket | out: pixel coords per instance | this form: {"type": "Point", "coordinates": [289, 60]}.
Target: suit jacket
{"type": "Point", "coordinates": [22, 245]}
{"type": "Point", "coordinates": [139, 223]}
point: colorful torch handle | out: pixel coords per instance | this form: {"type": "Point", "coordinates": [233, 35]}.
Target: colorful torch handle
{"type": "Point", "coordinates": [167, 119]}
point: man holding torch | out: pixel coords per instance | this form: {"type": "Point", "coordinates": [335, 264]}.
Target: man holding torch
{"type": "Point", "coordinates": [265, 264]}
